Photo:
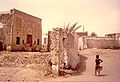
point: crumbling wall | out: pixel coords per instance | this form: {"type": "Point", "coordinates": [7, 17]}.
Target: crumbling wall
{"type": "Point", "coordinates": [23, 59]}
{"type": "Point", "coordinates": [6, 20]}
{"type": "Point", "coordinates": [102, 43]}
{"type": "Point", "coordinates": [64, 49]}
{"type": "Point", "coordinates": [73, 58]}
{"type": "Point", "coordinates": [69, 49]}
{"type": "Point", "coordinates": [2, 37]}
{"type": "Point", "coordinates": [33, 60]}
{"type": "Point", "coordinates": [54, 49]}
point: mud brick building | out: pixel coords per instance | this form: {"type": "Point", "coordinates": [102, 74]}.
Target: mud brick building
{"type": "Point", "coordinates": [63, 46]}
{"type": "Point", "coordinates": [113, 35]}
{"type": "Point", "coordinates": [82, 40]}
{"type": "Point", "coordinates": [21, 30]}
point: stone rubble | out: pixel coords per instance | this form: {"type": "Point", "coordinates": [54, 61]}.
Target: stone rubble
{"type": "Point", "coordinates": [35, 60]}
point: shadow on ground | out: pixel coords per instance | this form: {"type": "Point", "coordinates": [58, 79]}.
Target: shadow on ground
{"type": "Point", "coordinates": [81, 67]}
{"type": "Point", "coordinates": [103, 75]}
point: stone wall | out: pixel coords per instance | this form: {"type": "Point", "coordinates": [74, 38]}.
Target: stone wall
{"type": "Point", "coordinates": [23, 25]}
{"type": "Point", "coordinates": [102, 42]}
{"type": "Point", "coordinates": [33, 60]}
{"type": "Point", "coordinates": [23, 59]}
{"type": "Point", "coordinates": [22, 31]}
{"type": "Point", "coordinates": [6, 20]}
{"type": "Point", "coordinates": [64, 49]}
{"type": "Point", "coordinates": [72, 50]}
{"type": "Point", "coordinates": [54, 48]}
{"type": "Point", "coordinates": [2, 37]}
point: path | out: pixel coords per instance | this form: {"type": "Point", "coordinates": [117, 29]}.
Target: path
{"type": "Point", "coordinates": [110, 72]}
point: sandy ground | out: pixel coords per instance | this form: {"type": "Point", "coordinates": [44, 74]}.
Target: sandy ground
{"type": "Point", "coordinates": [111, 66]}
{"type": "Point", "coordinates": [110, 72]}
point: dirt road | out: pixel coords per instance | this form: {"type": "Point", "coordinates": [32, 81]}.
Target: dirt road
{"type": "Point", "coordinates": [110, 72]}
{"type": "Point", "coordinates": [111, 66]}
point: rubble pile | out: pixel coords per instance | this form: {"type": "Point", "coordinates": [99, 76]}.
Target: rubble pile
{"type": "Point", "coordinates": [34, 60]}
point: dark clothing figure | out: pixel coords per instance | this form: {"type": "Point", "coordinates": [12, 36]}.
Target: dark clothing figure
{"type": "Point", "coordinates": [98, 68]}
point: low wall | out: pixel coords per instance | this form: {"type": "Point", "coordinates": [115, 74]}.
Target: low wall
{"type": "Point", "coordinates": [22, 59]}
{"type": "Point", "coordinates": [102, 43]}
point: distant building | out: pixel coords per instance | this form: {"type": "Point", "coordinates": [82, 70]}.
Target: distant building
{"type": "Point", "coordinates": [21, 30]}
{"type": "Point", "coordinates": [45, 42]}
{"type": "Point", "coordinates": [113, 35]}
{"type": "Point", "coordinates": [82, 40]}
{"type": "Point", "coordinates": [80, 34]}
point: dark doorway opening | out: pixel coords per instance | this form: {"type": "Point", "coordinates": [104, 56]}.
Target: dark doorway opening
{"type": "Point", "coordinates": [18, 40]}
{"type": "Point", "coordinates": [29, 39]}
{"type": "Point", "coordinates": [37, 41]}
{"type": "Point", "coordinates": [1, 46]}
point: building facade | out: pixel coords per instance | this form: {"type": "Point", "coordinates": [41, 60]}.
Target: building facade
{"type": "Point", "coordinates": [63, 46]}
{"type": "Point", "coordinates": [22, 31]}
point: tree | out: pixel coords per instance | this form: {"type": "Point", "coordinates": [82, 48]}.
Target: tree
{"type": "Point", "coordinates": [73, 28]}
{"type": "Point", "coordinates": [93, 34]}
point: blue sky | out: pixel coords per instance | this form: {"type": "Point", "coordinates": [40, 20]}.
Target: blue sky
{"type": "Point", "coordinates": [100, 16]}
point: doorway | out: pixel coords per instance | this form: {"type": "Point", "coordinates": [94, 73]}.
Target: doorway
{"type": "Point", "coordinates": [29, 39]}
{"type": "Point", "coordinates": [1, 46]}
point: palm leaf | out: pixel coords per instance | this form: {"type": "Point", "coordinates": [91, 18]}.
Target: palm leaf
{"type": "Point", "coordinates": [72, 27]}
{"type": "Point", "coordinates": [77, 28]}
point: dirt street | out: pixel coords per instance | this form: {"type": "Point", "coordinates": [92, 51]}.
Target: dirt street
{"type": "Point", "coordinates": [110, 72]}
{"type": "Point", "coordinates": [111, 66]}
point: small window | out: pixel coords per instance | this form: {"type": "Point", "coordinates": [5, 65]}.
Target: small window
{"type": "Point", "coordinates": [18, 40]}
{"type": "Point", "coordinates": [37, 41]}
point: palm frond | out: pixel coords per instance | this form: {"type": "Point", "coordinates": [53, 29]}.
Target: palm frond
{"type": "Point", "coordinates": [72, 27]}
{"type": "Point", "coordinates": [77, 28]}
{"type": "Point", "coordinates": [67, 27]}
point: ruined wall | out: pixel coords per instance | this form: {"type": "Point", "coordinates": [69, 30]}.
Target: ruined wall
{"type": "Point", "coordinates": [64, 48]}
{"type": "Point", "coordinates": [54, 48]}
{"type": "Point", "coordinates": [33, 60]}
{"type": "Point", "coordinates": [6, 20]}
{"type": "Point", "coordinates": [73, 58]}
{"type": "Point", "coordinates": [102, 43]}
{"type": "Point", "coordinates": [69, 49]}
{"type": "Point", "coordinates": [24, 25]}
{"type": "Point", "coordinates": [23, 59]}
{"type": "Point", "coordinates": [2, 37]}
